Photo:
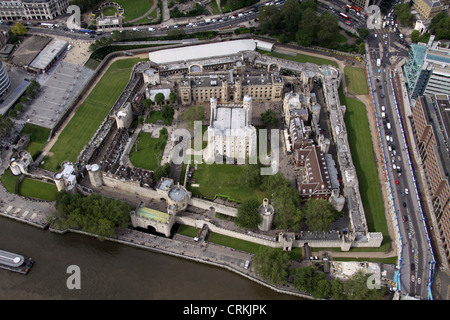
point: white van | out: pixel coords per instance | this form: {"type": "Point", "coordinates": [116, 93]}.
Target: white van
{"type": "Point", "coordinates": [383, 108]}
{"type": "Point", "coordinates": [388, 125]}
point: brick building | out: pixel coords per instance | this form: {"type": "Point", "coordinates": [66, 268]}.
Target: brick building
{"type": "Point", "coordinates": [431, 128]}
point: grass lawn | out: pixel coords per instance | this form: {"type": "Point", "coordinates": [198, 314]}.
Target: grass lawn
{"type": "Point", "coordinates": [356, 81]}
{"type": "Point", "coordinates": [302, 58]}
{"type": "Point", "coordinates": [135, 8]}
{"type": "Point", "coordinates": [215, 7]}
{"type": "Point", "coordinates": [109, 11]}
{"type": "Point", "coordinates": [9, 180]}
{"type": "Point", "coordinates": [149, 151]}
{"type": "Point", "coordinates": [90, 114]}
{"type": "Point", "coordinates": [38, 138]}
{"type": "Point", "coordinates": [155, 116]}
{"type": "Point", "coordinates": [362, 153]}
{"type": "Point", "coordinates": [38, 189]}
{"type": "Point", "coordinates": [223, 179]}
{"type": "Point", "coordinates": [29, 187]}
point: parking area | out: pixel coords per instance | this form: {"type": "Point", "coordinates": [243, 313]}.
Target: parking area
{"type": "Point", "coordinates": [59, 87]}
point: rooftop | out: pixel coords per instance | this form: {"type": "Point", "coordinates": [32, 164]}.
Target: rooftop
{"type": "Point", "coordinates": [152, 214]}
{"type": "Point", "coordinates": [202, 51]}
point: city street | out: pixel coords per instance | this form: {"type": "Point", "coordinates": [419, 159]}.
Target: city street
{"type": "Point", "coordinates": [416, 255]}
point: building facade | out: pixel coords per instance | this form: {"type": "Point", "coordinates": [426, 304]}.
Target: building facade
{"type": "Point", "coordinates": [231, 137]}
{"type": "Point", "coordinates": [431, 126]}
{"type": "Point", "coordinates": [429, 8]}
{"type": "Point", "coordinates": [427, 70]}
{"type": "Point", "coordinates": [5, 82]}
{"type": "Point", "coordinates": [16, 10]}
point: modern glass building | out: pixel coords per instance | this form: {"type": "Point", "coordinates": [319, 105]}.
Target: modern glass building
{"type": "Point", "coordinates": [427, 70]}
{"type": "Point", "coordinates": [5, 82]}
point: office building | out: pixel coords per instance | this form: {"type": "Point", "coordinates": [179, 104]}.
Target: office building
{"type": "Point", "coordinates": [431, 128]}
{"type": "Point", "coordinates": [427, 69]}
{"type": "Point", "coordinates": [17, 10]}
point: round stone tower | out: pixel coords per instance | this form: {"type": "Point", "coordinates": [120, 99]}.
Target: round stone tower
{"type": "Point", "coordinates": [179, 197]}
{"type": "Point", "coordinates": [95, 175]}
{"type": "Point", "coordinates": [267, 212]}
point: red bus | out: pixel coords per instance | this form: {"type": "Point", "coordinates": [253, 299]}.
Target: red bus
{"type": "Point", "coordinates": [343, 15]}
{"type": "Point", "coordinates": [357, 9]}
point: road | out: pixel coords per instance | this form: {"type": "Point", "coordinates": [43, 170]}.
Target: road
{"type": "Point", "coordinates": [416, 254]}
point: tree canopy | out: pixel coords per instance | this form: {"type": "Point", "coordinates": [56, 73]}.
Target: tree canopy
{"type": "Point", "coordinates": [269, 118]}
{"type": "Point", "coordinates": [319, 214]}
{"type": "Point", "coordinates": [93, 214]}
{"type": "Point", "coordinates": [19, 29]}
{"type": "Point", "coordinates": [248, 215]}
{"type": "Point", "coordinates": [6, 124]}
{"type": "Point", "coordinates": [403, 12]}
{"type": "Point", "coordinates": [272, 265]}
{"type": "Point", "coordinates": [440, 26]}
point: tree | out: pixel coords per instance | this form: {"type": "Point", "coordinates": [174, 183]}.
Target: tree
{"type": "Point", "coordinates": [417, 37]}
{"type": "Point", "coordinates": [272, 265]}
{"type": "Point", "coordinates": [363, 33]}
{"type": "Point", "coordinates": [319, 214]}
{"type": "Point", "coordinates": [291, 14]}
{"type": "Point", "coordinates": [147, 103]}
{"type": "Point", "coordinates": [19, 29]}
{"type": "Point", "coordinates": [252, 175]}
{"type": "Point", "coordinates": [161, 171]}
{"type": "Point", "coordinates": [12, 113]}
{"type": "Point", "coordinates": [356, 288]}
{"type": "Point", "coordinates": [442, 30]}
{"type": "Point", "coordinates": [172, 97]}
{"type": "Point", "coordinates": [93, 214]}
{"type": "Point", "coordinates": [159, 98]}
{"type": "Point", "coordinates": [403, 12]}
{"type": "Point", "coordinates": [269, 118]}
{"type": "Point", "coordinates": [329, 28]}
{"type": "Point", "coordinates": [18, 107]}
{"type": "Point", "coordinates": [285, 201]}
{"type": "Point", "coordinates": [308, 26]}
{"type": "Point", "coordinates": [6, 124]}
{"type": "Point", "coordinates": [270, 19]}
{"type": "Point", "coordinates": [248, 215]}
{"type": "Point", "coordinates": [167, 113]}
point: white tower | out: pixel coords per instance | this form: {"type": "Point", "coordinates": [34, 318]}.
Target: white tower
{"type": "Point", "coordinates": [247, 105]}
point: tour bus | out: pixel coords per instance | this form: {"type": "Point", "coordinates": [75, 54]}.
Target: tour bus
{"type": "Point", "coordinates": [343, 15]}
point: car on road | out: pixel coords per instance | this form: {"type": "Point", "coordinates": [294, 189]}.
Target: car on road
{"type": "Point", "coordinates": [396, 181]}
{"type": "Point", "coordinates": [404, 204]}
{"type": "Point", "coordinates": [382, 96]}
{"type": "Point", "coordinates": [405, 218]}
{"type": "Point", "coordinates": [406, 191]}
{"type": "Point", "coordinates": [413, 266]}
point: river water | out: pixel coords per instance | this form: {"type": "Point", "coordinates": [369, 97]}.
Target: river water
{"type": "Point", "coordinates": [113, 271]}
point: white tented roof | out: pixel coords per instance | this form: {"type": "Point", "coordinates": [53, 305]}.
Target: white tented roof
{"type": "Point", "coordinates": [202, 51]}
